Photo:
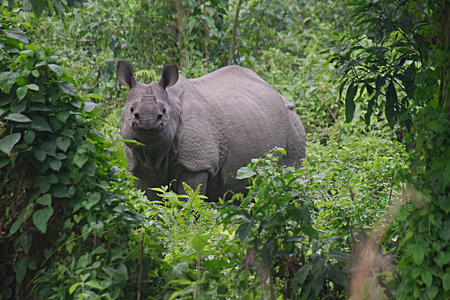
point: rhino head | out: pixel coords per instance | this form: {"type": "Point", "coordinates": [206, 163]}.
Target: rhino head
{"type": "Point", "coordinates": [149, 116]}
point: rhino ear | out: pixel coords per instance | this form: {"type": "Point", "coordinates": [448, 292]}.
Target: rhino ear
{"type": "Point", "coordinates": [169, 76]}
{"type": "Point", "coordinates": [125, 73]}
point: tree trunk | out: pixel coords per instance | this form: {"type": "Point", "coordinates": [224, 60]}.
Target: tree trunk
{"type": "Point", "coordinates": [206, 35]}
{"type": "Point", "coordinates": [233, 37]}
{"type": "Point", "coordinates": [443, 32]}
{"type": "Point", "coordinates": [182, 23]}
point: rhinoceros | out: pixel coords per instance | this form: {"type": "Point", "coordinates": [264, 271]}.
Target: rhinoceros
{"type": "Point", "coordinates": [201, 131]}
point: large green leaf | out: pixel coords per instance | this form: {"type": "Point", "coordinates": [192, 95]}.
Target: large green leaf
{"type": "Point", "coordinates": [418, 254]}
{"type": "Point", "coordinates": [17, 34]}
{"type": "Point", "coordinates": [80, 160]}
{"type": "Point", "coordinates": [350, 103]}
{"type": "Point", "coordinates": [446, 281]}
{"type": "Point", "coordinates": [18, 106]}
{"type": "Point", "coordinates": [36, 106]}
{"type": "Point", "coordinates": [243, 231]}
{"type": "Point", "coordinates": [337, 275]}
{"type": "Point", "coordinates": [74, 287]}
{"type": "Point", "coordinates": [39, 154]}
{"type": "Point", "coordinates": [8, 142]}
{"type": "Point", "coordinates": [21, 269]}
{"type": "Point", "coordinates": [318, 265]}
{"type": "Point", "coordinates": [370, 109]}
{"type": "Point", "coordinates": [45, 200]}
{"type": "Point", "coordinates": [63, 143]}
{"type": "Point", "coordinates": [444, 202]}
{"type": "Point", "coordinates": [95, 284]}
{"type": "Point", "coordinates": [16, 225]}
{"type": "Point", "coordinates": [60, 190]}
{"type": "Point", "coordinates": [38, 6]}
{"type": "Point", "coordinates": [41, 124]}
{"type": "Point", "coordinates": [391, 103]}
{"type": "Point", "coordinates": [245, 172]}
{"type": "Point", "coordinates": [22, 92]}
{"type": "Point", "coordinates": [55, 164]}
{"type": "Point", "coordinates": [57, 69]}
{"type": "Point", "coordinates": [68, 88]}
{"type": "Point", "coordinates": [301, 274]}
{"type": "Point", "coordinates": [89, 106]}
{"type": "Point", "coordinates": [93, 199]}
{"type": "Point", "coordinates": [7, 80]}
{"type": "Point", "coordinates": [33, 86]}
{"type": "Point", "coordinates": [63, 115]}
{"type": "Point", "coordinates": [444, 233]}
{"type": "Point", "coordinates": [427, 277]}
{"type": "Point", "coordinates": [200, 241]}
{"type": "Point", "coordinates": [41, 217]}
{"type": "Point", "coordinates": [18, 118]}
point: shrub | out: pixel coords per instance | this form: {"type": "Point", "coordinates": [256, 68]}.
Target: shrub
{"type": "Point", "coordinates": [65, 203]}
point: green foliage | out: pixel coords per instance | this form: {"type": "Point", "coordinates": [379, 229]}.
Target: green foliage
{"type": "Point", "coordinates": [60, 197]}
{"type": "Point", "coordinates": [300, 227]}
{"type": "Point", "coordinates": [274, 222]}
{"type": "Point", "coordinates": [87, 40]}
{"type": "Point", "coordinates": [49, 7]}
{"type": "Point", "coordinates": [386, 53]}
{"type": "Point", "coordinates": [425, 262]}
{"type": "Point", "coordinates": [399, 53]}
{"type": "Point", "coordinates": [285, 237]}
{"type": "Point", "coordinates": [157, 32]}
{"type": "Point", "coordinates": [198, 249]}
{"type": "Point", "coordinates": [358, 183]}
{"type": "Point", "coordinates": [77, 227]}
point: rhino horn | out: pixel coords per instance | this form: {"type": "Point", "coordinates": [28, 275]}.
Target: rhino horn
{"type": "Point", "coordinates": [169, 76]}
{"type": "Point", "coordinates": [125, 73]}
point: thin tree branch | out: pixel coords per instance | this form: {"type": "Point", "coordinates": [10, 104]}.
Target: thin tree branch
{"type": "Point", "coordinates": [233, 35]}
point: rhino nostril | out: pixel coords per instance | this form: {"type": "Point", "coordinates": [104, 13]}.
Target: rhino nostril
{"type": "Point", "coordinates": [160, 117]}
{"type": "Point", "coordinates": [136, 116]}
{"type": "Point", "coordinates": [132, 110]}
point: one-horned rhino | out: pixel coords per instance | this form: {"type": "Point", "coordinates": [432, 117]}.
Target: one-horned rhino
{"type": "Point", "coordinates": [201, 131]}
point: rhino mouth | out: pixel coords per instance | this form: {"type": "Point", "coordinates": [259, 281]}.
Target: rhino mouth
{"type": "Point", "coordinates": [148, 131]}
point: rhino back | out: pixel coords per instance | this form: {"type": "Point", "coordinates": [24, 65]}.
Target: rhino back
{"type": "Point", "coordinates": [251, 110]}
{"type": "Point", "coordinates": [254, 117]}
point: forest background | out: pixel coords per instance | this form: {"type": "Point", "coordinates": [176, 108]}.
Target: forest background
{"type": "Point", "coordinates": [367, 217]}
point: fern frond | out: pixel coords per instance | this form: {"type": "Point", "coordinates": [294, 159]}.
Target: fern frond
{"type": "Point", "coordinates": [195, 212]}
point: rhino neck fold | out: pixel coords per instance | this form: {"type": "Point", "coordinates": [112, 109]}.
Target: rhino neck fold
{"type": "Point", "coordinates": [156, 162]}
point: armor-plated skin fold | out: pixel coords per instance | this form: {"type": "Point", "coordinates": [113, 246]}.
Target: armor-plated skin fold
{"type": "Point", "coordinates": [201, 131]}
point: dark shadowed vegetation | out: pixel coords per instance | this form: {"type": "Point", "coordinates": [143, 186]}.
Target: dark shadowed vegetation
{"type": "Point", "coordinates": [366, 218]}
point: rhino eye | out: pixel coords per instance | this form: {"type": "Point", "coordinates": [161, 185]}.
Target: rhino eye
{"type": "Point", "coordinates": [164, 111]}
{"type": "Point", "coordinates": [132, 110]}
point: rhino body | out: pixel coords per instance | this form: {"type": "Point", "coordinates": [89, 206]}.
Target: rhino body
{"type": "Point", "coordinates": [201, 131]}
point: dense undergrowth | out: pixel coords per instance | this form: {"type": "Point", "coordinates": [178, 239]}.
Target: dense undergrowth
{"type": "Point", "coordinates": [72, 224]}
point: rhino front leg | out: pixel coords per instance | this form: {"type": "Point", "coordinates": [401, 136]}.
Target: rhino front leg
{"type": "Point", "coordinates": [193, 180]}
{"type": "Point", "coordinates": [144, 184]}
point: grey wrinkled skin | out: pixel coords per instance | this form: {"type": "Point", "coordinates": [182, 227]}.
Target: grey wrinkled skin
{"type": "Point", "coordinates": [201, 131]}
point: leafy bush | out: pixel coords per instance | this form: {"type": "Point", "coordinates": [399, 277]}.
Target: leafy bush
{"type": "Point", "coordinates": [296, 234]}
{"type": "Point", "coordinates": [359, 180]}
{"type": "Point", "coordinates": [274, 222]}
{"type": "Point", "coordinates": [302, 226]}
{"type": "Point", "coordinates": [62, 195]}
{"type": "Point", "coordinates": [398, 51]}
